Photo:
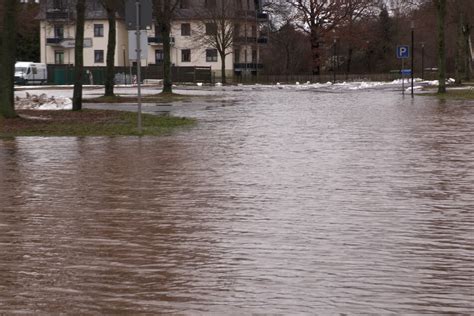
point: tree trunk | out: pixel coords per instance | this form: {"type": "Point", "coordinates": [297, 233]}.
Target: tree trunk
{"type": "Point", "coordinates": [315, 53]}
{"type": "Point", "coordinates": [459, 55]}
{"type": "Point", "coordinates": [467, 51]}
{"type": "Point", "coordinates": [79, 56]}
{"type": "Point", "coordinates": [349, 62]}
{"type": "Point", "coordinates": [110, 75]}
{"type": "Point", "coordinates": [167, 83]}
{"type": "Point", "coordinates": [441, 10]}
{"type": "Point", "coordinates": [7, 60]}
{"type": "Point", "coordinates": [165, 32]}
{"type": "Point", "coordinates": [223, 76]}
{"type": "Point", "coordinates": [287, 59]}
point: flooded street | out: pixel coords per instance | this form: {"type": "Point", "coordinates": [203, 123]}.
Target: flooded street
{"type": "Point", "coordinates": [279, 201]}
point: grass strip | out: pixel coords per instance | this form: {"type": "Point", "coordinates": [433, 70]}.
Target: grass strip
{"type": "Point", "coordinates": [87, 123]}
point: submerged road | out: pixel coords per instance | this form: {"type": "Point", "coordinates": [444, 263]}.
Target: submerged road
{"type": "Point", "coordinates": [281, 200]}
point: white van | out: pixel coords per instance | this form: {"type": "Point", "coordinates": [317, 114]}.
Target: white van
{"type": "Point", "coordinates": [27, 72]}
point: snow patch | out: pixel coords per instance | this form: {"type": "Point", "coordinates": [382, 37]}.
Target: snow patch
{"type": "Point", "coordinates": [43, 102]}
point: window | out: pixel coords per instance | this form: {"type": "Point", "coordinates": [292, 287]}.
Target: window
{"type": "Point", "coordinates": [59, 57]}
{"type": "Point", "coordinates": [211, 55]}
{"type": "Point", "coordinates": [236, 56]}
{"type": "Point", "coordinates": [186, 55]}
{"type": "Point", "coordinates": [58, 31]}
{"type": "Point", "coordinates": [254, 55]}
{"type": "Point", "coordinates": [254, 31]}
{"type": "Point", "coordinates": [159, 56]}
{"type": "Point", "coordinates": [236, 30]}
{"type": "Point", "coordinates": [211, 29]}
{"type": "Point", "coordinates": [185, 29]}
{"type": "Point", "coordinates": [98, 30]}
{"type": "Point", "coordinates": [98, 56]}
{"type": "Point", "coordinates": [238, 4]}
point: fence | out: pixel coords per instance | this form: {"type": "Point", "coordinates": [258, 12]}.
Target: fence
{"type": "Point", "coordinates": [64, 74]}
{"type": "Point", "coordinates": [328, 77]}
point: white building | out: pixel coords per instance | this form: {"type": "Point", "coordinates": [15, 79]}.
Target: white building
{"type": "Point", "coordinates": [57, 20]}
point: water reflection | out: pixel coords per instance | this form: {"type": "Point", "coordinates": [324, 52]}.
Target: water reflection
{"type": "Point", "coordinates": [287, 202]}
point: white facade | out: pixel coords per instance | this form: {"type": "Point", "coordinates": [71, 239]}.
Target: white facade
{"type": "Point", "coordinates": [57, 48]}
{"type": "Point", "coordinates": [187, 48]}
{"type": "Point", "coordinates": [194, 44]}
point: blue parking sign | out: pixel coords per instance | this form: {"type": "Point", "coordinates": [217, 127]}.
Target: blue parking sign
{"type": "Point", "coordinates": [403, 51]}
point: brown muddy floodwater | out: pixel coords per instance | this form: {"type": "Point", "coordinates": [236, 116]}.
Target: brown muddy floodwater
{"type": "Point", "coordinates": [280, 201]}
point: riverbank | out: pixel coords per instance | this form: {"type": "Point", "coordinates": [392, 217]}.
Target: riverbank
{"type": "Point", "coordinates": [87, 123]}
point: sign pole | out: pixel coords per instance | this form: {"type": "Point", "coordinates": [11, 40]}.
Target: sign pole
{"type": "Point", "coordinates": [139, 66]}
{"type": "Point", "coordinates": [412, 58]}
{"type": "Point", "coordinates": [403, 76]}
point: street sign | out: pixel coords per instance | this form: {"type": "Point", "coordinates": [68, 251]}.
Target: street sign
{"type": "Point", "coordinates": [403, 51]}
{"type": "Point", "coordinates": [405, 71]}
{"type": "Point", "coordinates": [132, 45]}
{"type": "Point", "coordinates": [146, 9]}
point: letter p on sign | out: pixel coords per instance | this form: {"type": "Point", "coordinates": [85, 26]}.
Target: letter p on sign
{"type": "Point", "coordinates": [403, 52]}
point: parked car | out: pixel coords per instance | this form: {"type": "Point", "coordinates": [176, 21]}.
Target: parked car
{"type": "Point", "coordinates": [27, 72]}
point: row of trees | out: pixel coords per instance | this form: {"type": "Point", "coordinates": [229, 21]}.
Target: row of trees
{"type": "Point", "coordinates": [365, 33]}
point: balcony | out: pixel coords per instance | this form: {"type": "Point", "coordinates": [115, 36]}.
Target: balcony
{"type": "Point", "coordinates": [252, 15]}
{"type": "Point", "coordinates": [57, 15]}
{"type": "Point", "coordinates": [67, 42]}
{"type": "Point", "coordinates": [54, 41]}
{"type": "Point", "coordinates": [241, 40]}
{"type": "Point", "coordinates": [248, 66]}
{"type": "Point", "coordinates": [158, 40]}
{"type": "Point", "coordinates": [250, 40]}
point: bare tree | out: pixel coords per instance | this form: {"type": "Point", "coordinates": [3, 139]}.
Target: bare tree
{"type": "Point", "coordinates": [79, 55]}
{"type": "Point", "coordinates": [318, 18]}
{"type": "Point", "coordinates": [216, 29]}
{"type": "Point", "coordinates": [350, 29]}
{"type": "Point", "coordinates": [7, 59]}
{"type": "Point", "coordinates": [164, 11]}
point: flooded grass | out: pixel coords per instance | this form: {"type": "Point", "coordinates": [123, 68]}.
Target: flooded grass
{"type": "Point", "coordinates": [457, 94]}
{"type": "Point", "coordinates": [158, 98]}
{"type": "Point", "coordinates": [87, 123]}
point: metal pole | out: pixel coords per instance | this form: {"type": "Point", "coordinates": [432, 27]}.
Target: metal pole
{"type": "Point", "coordinates": [124, 65]}
{"type": "Point", "coordinates": [403, 77]}
{"type": "Point", "coordinates": [334, 64]}
{"type": "Point", "coordinates": [139, 62]}
{"type": "Point", "coordinates": [412, 58]}
{"type": "Point", "coordinates": [422, 61]}
{"type": "Point", "coordinates": [337, 60]}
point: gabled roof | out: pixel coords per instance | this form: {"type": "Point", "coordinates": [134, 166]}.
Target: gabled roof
{"type": "Point", "coordinates": [94, 9]}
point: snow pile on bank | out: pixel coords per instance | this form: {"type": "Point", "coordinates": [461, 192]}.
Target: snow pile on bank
{"type": "Point", "coordinates": [42, 102]}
